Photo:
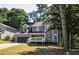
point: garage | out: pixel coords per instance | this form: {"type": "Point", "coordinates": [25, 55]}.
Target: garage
{"type": "Point", "coordinates": [22, 39]}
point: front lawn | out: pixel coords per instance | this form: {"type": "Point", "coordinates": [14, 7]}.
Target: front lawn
{"type": "Point", "coordinates": [18, 49]}
{"type": "Point", "coordinates": [24, 49]}
{"type": "Point", "coordinates": [2, 41]}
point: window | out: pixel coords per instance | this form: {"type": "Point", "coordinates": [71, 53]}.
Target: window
{"type": "Point", "coordinates": [37, 28]}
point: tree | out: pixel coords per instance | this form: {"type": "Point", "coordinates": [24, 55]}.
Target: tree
{"type": "Point", "coordinates": [55, 21]}
{"type": "Point", "coordinates": [33, 15]}
{"type": "Point", "coordinates": [3, 14]}
{"type": "Point", "coordinates": [40, 14]}
{"type": "Point", "coordinates": [42, 11]}
{"type": "Point", "coordinates": [63, 21]}
{"type": "Point", "coordinates": [15, 17]}
{"type": "Point", "coordinates": [71, 16]}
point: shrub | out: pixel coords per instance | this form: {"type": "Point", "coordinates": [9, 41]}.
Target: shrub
{"type": "Point", "coordinates": [13, 39]}
{"type": "Point", "coordinates": [75, 41]}
{"type": "Point", "coordinates": [7, 38]}
{"type": "Point", "coordinates": [61, 44]}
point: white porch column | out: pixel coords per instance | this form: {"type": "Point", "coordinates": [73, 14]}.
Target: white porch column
{"type": "Point", "coordinates": [29, 39]}
{"type": "Point", "coordinates": [44, 37]}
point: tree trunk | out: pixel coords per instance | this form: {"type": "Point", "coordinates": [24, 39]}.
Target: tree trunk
{"type": "Point", "coordinates": [70, 40]}
{"type": "Point", "coordinates": [62, 12]}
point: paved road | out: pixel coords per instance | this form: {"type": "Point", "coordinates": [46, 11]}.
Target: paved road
{"type": "Point", "coordinates": [6, 45]}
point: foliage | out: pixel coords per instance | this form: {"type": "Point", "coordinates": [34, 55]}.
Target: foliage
{"type": "Point", "coordinates": [15, 17]}
{"type": "Point", "coordinates": [7, 38]}
{"type": "Point", "coordinates": [61, 43]}
{"type": "Point", "coordinates": [40, 14]}
{"type": "Point", "coordinates": [75, 41]}
{"type": "Point", "coordinates": [55, 21]}
{"type": "Point", "coordinates": [3, 14]}
{"type": "Point", "coordinates": [2, 20]}
{"type": "Point", "coordinates": [33, 15]}
{"type": "Point", "coordinates": [71, 16]}
{"type": "Point", "coordinates": [42, 11]}
{"type": "Point", "coordinates": [13, 38]}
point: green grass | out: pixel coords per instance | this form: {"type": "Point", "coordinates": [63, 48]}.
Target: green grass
{"type": "Point", "coordinates": [2, 41]}
{"type": "Point", "coordinates": [14, 50]}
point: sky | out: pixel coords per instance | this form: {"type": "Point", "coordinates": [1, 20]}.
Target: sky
{"type": "Point", "coordinates": [27, 7]}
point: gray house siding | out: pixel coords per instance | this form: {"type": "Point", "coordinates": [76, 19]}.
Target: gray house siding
{"type": "Point", "coordinates": [2, 28]}
{"type": "Point", "coordinates": [10, 30]}
{"type": "Point", "coordinates": [6, 30]}
{"type": "Point", "coordinates": [38, 29]}
{"type": "Point", "coordinates": [33, 29]}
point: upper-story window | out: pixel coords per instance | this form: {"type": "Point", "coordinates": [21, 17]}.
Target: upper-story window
{"type": "Point", "coordinates": [40, 28]}
{"type": "Point", "coordinates": [37, 28]}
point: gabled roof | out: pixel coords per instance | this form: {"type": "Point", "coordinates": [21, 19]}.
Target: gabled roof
{"type": "Point", "coordinates": [41, 22]}
{"type": "Point", "coordinates": [26, 25]}
{"type": "Point", "coordinates": [37, 23]}
{"type": "Point", "coordinates": [8, 27]}
{"type": "Point", "coordinates": [47, 19]}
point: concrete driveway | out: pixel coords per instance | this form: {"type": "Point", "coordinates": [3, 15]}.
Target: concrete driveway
{"type": "Point", "coordinates": [6, 45]}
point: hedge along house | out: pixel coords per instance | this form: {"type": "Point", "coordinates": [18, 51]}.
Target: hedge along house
{"type": "Point", "coordinates": [39, 33]}
{"type": "Point", "coordinates": [6, 30]}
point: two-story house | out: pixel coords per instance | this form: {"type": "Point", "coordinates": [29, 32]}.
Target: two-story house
{"type": "Point", "coordinates": [39, 33]}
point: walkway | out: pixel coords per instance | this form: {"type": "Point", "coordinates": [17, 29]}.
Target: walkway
{"type": "Point", "coordinates": [6, 45]}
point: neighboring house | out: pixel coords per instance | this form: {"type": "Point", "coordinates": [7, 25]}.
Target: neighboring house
{"type": "Point", "coordinates": [39, 33]}
{"type": "Point", "coordinates": [6, 30]}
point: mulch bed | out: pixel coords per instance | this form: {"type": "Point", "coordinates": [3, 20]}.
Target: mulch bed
{"type": "Point", "coordinates": [48, 51]}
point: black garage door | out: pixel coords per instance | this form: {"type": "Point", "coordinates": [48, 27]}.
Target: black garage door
{"type": "Point", "coordinates": [22, 39]}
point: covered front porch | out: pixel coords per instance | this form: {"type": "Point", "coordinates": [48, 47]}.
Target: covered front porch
{"type": "Point", "coordinates": [29, 37]}
{"type": "Point", "coordinates": [37, 37]}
